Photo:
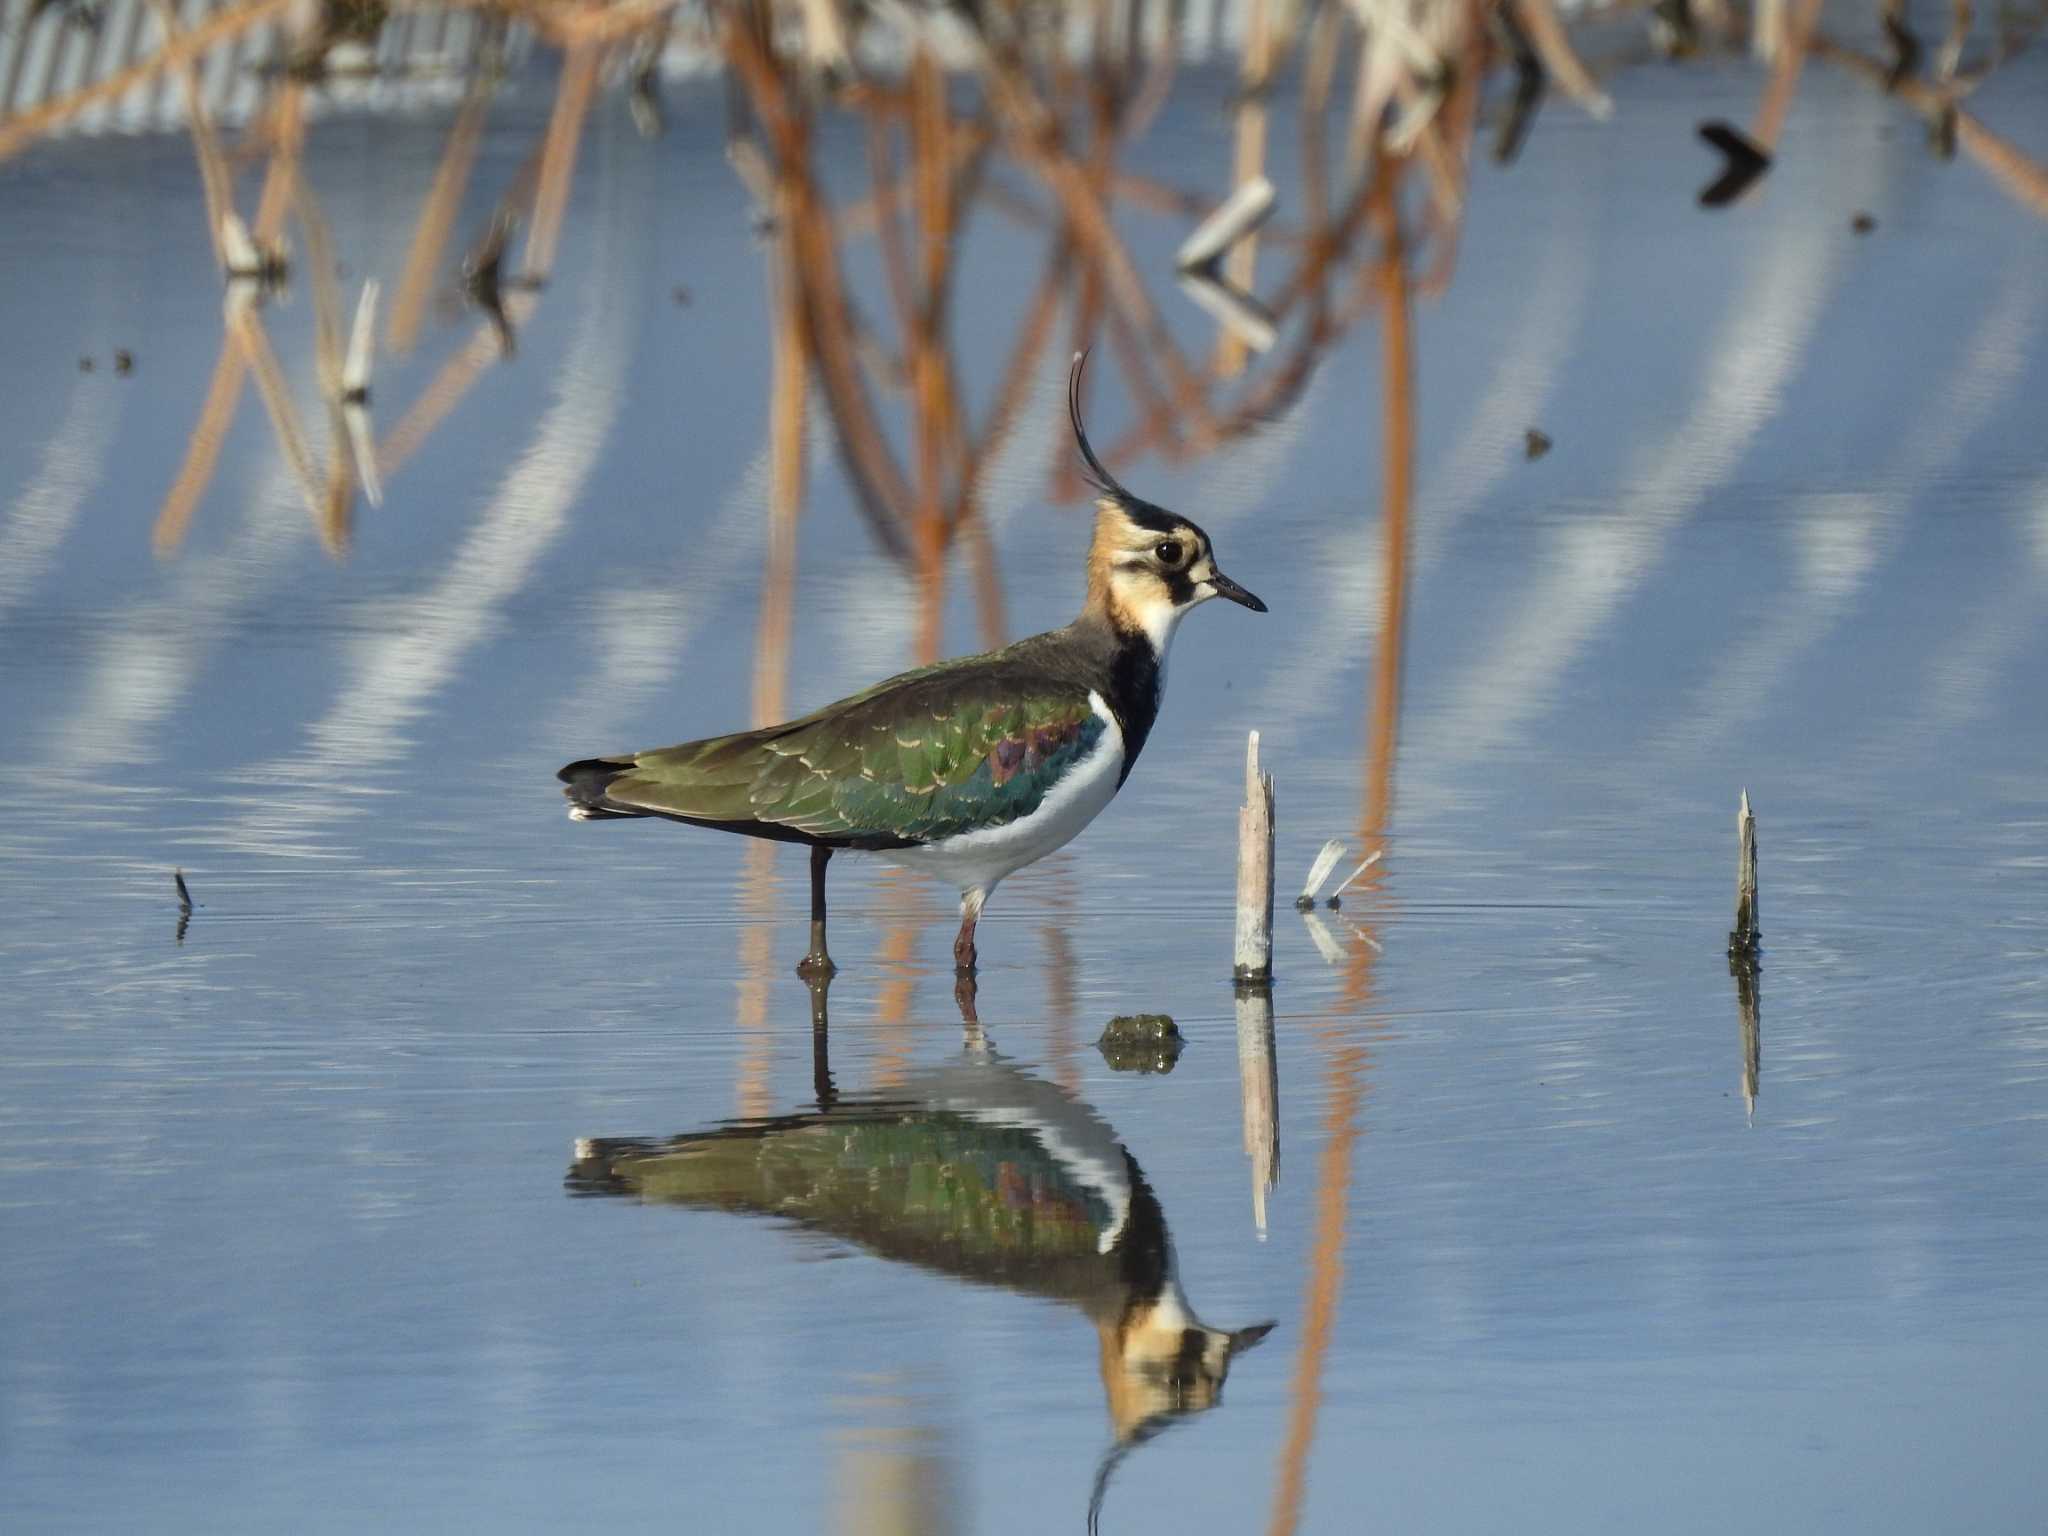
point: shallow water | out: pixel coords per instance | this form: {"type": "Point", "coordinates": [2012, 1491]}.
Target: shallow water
{"type": "Point", "coordinates": [292, 1235]}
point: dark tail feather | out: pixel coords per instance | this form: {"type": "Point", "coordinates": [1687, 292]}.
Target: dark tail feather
{"type": "Point", "coordinates": [585, 785]}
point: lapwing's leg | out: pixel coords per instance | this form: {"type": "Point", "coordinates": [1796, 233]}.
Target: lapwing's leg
{"type": "Point", "coordinates": [821, 1046]}
{"type": "Point", "coordinates": [964, 991]}
{"type": "Point", "coordinates": [817, 963]}
{"type": "Point", "coordinates": [963, 946]}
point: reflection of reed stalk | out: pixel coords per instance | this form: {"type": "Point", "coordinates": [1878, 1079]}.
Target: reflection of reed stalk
{"type": "Point", "coordinates": [214, 182]}
{"type": "Point", "coordinates": [2024, 179]}
{"type": "Point", "coordinates": [247, 329]}
{"type": "Point", "coordinates": [1061, 966]}
{"type": "Point", "coordinates": [18, 132]}
{"type": "Point", "coordinates": [287, 138]}
{"type": "Point", "coordinates": [906, 897]}
{"type": "Point", "coordinates": [1397, 467]}
{"type": "Point", "coordinates": [558, 157]}
{"type": "Point", "coordinates": [224, 392]}
{"type": "Point", "coordinates": [933, 387]}
{"type": "Point", "coordinates": [830, 331]}
{"type": "Point", "coordinates": [437, 218]}
{"type": "Point", "coordinates": [1258, 1083]}
{"type": "Point", "coordinates": [1790, 60]}
{"type": "Point", "coordinates": [1034, 137]}
{"type": "Point", "coordinates": [753, 1094]}
{"type": "Point", "coordinates": [556, 167]}
{"type": "Point", "coordinates": [1346, 1062]}
{"type": "Point", "coordinates": [1240, 267]}
{"type": "Point", "coordinates": [785, 502]}
{"type": "Point", "coordinates": [1344, 1090]}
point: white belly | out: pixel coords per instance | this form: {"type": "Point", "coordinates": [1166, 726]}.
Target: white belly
{"type": "Point", "coordinates": [977, 860]}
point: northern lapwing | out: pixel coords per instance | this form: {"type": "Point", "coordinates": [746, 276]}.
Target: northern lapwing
{"type": "Point", "coordinates": [972, 768]}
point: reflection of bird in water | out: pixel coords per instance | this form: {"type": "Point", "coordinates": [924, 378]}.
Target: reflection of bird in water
{"type": "Point", "coordinates": [981, 1171]}
{"type": "Point", "coordinates": [972, 768]}
{"type": "Point", "coordinates": [485, 284]}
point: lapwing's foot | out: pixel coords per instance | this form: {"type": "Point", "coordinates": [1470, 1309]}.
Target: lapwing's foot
{"type": "Point", "coordinates": [820, 988]}
{"type": "Point", "coordinates": [816, 967]}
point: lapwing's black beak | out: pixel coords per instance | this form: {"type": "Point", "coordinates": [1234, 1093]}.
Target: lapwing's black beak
{"type": "Point", "coordinates": [1225, 587]}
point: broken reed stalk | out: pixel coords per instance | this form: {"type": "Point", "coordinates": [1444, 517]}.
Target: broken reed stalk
{"type": "Point", "coordinates": [1255, 871]}
{"type": "Point", "coordinates": [1745, 937]}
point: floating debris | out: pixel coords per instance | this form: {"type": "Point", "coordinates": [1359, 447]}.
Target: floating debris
{"type": "Point", "coordinates": [1139, 1029]}
{"type": "Point", "coordinates": [85, 365]}
{"type": "Point", "coordinates": [1535, 444]}
{"type": "Point", "coordinates": [1318, 872]}
{"type": "Point", "coordinates": [184, 891]}
{"type": "Point", "coordinates": [124, 361]}
{"type": "Point", "coordinates": [1863, 223]}
{"type": "Point", "coordinates": [1141, 1042]}
{"type": "Point", "coordinates": [1326, 860]}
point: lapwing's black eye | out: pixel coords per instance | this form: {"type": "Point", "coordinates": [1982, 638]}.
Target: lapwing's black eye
{"type": "Point", "coordinates": [1168, 553]}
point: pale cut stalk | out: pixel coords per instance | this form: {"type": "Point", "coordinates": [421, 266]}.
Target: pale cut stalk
{"type": "Point", "coordinates": [1254, 946]}
{"type": "Point", "coordinates": [1319, 871]}
{"type": "Point", "coordinates": [1367, 863]}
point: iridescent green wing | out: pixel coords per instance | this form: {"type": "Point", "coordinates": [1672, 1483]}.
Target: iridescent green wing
{"type": "Point", "coordinates": [952, 1193]}
{"type": "Point", "coordinates": [921, 757]}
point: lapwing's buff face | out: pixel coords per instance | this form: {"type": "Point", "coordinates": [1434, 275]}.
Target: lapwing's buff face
{"type": "Point", "coordinates": [1151, 567]}
{"type": "Point", "coordinates": [1146, 566]}
{"type": "Point", "coordinates": [1159, 1362]}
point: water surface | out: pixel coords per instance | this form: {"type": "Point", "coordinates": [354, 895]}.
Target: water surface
{"type": "Point", "coordinates": [292, 1235]}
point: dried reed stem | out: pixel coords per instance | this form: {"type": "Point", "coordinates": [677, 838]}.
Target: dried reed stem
{"type": "Point", "coordinates": [1745, 937]}
{"type": "Point", "coordinates": [1254, 947]}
